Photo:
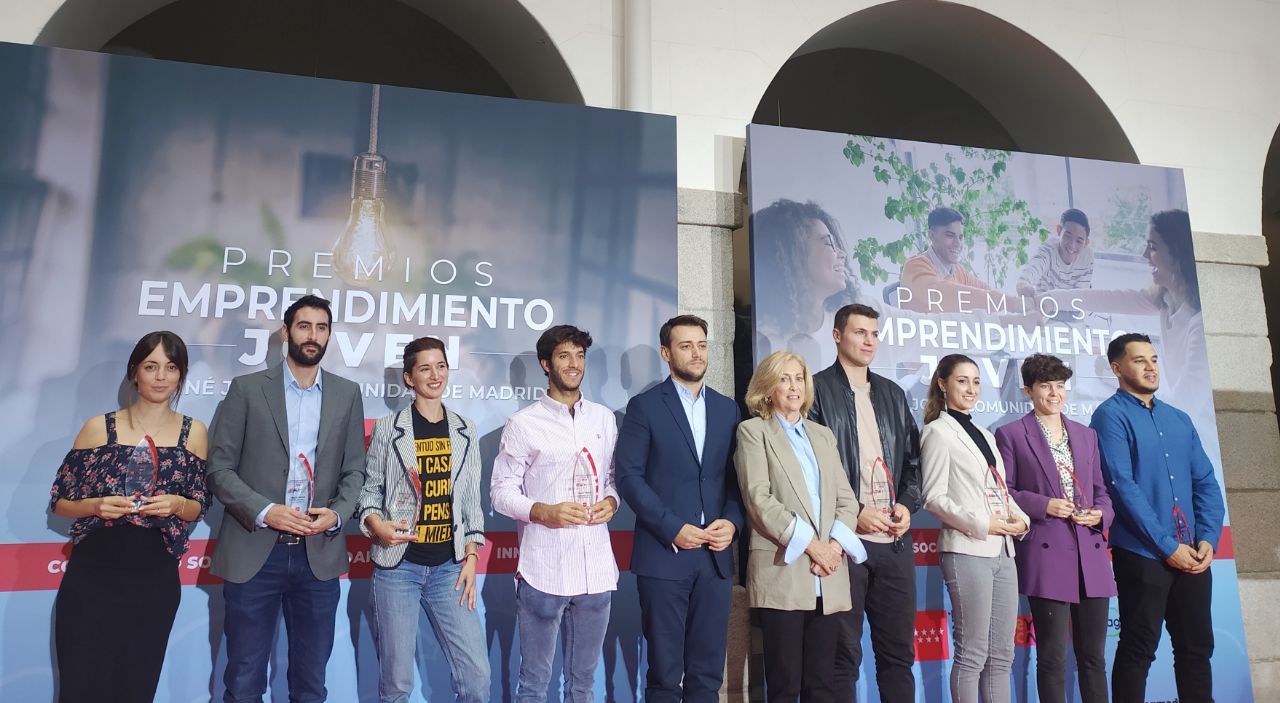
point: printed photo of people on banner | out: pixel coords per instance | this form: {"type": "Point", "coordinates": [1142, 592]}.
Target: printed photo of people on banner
{"type": "Point", "coordinates": [1037, 321]}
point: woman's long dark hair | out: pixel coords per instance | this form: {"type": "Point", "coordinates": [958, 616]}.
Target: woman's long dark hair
{"type": "Point", "coordinates": [777, 233]}
{"type": "Point", "coordinates": [1174, 227]}
{"type": "Point", "coordinates": [174, 348]}
{"type": "Point", "coordinates": [937, 402]}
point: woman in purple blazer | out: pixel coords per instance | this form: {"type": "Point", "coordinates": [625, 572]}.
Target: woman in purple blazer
{"type": "Point", "coordinates": [1054, 472]}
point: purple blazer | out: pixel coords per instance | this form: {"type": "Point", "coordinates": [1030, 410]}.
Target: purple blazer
{"type": "Point", "coordinates": [1048, 566]}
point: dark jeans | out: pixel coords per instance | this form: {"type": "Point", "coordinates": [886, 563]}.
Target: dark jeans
{"type": "Point", "coordinates": [1087, 621]}
{"type": "Point", "coordinates": [686, 624]}
{"type": "Point", "coordinates": [884, 589]}
{"type": "Point", "coordinates": [799, 652]}
{"type": "Point", "coordinates": [250, 625]}
{"type": "Point", "coordinates": [1150, 593]}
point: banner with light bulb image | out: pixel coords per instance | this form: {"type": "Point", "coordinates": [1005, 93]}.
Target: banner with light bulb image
{"type": "Point", "coordinates": [139, 195]}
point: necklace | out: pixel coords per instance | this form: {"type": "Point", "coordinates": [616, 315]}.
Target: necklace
{"type": "Point", "coordinates": [133, 420]}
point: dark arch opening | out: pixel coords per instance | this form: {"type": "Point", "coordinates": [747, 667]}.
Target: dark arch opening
{"type": "Point", "coordinates": [1271, 232]}
{"type": "Point", "coordinates": [492, 48]}
{"type": "Point", "coordinates": [942, 72]}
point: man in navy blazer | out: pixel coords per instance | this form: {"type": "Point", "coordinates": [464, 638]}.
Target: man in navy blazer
{"type": "Point", "coordinates": [674, 464]}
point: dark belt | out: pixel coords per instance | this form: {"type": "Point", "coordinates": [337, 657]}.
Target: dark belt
{"type": "Point", "coordinates": [289, 539]}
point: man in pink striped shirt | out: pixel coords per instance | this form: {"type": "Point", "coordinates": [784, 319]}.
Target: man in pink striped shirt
{"type": "Point", "coordinates": [554, 477]}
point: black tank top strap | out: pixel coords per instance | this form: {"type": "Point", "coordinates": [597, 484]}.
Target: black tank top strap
{"type": "Point", "coordinates": [111, 427]}
{"type": "Point", "coordinates": [186, 430]}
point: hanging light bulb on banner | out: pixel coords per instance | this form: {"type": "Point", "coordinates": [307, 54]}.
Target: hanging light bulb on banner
{"type": "Point", "coordinates": [365, 250]}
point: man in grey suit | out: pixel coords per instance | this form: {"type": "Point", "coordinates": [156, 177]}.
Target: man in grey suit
{"type": "Point", "coordinates": [287, 460]}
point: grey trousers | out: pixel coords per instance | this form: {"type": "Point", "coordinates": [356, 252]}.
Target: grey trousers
{"type": "Point", "coordinates": [984, 611]}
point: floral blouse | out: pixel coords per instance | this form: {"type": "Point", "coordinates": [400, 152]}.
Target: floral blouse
{"type": "Point", "coordinates": [1062, 459]}
{"type": "Point", "coordinates": [99, 471]}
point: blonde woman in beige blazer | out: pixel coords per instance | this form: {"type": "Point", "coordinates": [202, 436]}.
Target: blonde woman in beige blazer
{"type": "Point", "coordinates": [964, 488]}
{"type": "Point", "coordinates": [803, 513]}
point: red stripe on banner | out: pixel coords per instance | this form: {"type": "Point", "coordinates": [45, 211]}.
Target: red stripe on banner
{"type": "Point", "coordinates": [927, 554]}
{"type": "Point", "coordinates": [39, 566]}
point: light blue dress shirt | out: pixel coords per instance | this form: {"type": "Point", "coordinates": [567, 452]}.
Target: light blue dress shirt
{"type": "Point", "coordinates": [804, 533]}
{"type": "Point", "coordinates": [302, 411]}
{"type": "Point", "coordinates": [695, 411]}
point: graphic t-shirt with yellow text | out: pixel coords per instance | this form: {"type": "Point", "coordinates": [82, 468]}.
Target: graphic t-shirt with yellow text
{"type": "Point", "coordinates": [434, 545]}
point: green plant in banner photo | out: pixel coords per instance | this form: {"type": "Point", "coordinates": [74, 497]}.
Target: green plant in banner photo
{"type": "Point", "coordinates": [973, 185]}
{"type": "Point", "coordinates": [1128, 222]}
{"type": "Point", "coordinates": [203, 255]}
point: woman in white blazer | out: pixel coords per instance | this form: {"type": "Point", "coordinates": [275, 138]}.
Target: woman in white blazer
{"type": "Point", "coordinates": [964, 488]}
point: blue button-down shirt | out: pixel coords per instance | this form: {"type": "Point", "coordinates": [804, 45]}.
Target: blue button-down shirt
{"type": "Point", "coordinates": [302, 410]}
{"type": "Point", "coordinates": [695, 411]}
{"type": "Point", "coordinates": [803, 533]}
{"type": "Point", "coordinates": [1153, 461]}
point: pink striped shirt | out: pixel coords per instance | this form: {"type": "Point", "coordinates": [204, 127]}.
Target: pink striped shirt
{"type": "Point", "coordinates": [535, 463]}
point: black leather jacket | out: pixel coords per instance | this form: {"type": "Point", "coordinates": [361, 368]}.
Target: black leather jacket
{"type": "Point", "coordinates": [899, 435]}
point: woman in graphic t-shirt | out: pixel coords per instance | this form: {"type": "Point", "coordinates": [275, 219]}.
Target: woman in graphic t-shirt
{"type": "Point", "coordinates": [421, 506]}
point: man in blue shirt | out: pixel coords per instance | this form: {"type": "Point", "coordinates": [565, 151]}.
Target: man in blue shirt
{"type": "Point", "coordinates": [674, 462]}
{"type": "Point", "coordinates": [1169, 513]}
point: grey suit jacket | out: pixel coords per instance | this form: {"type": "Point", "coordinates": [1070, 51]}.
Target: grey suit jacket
{"type": "Point", "coordinates": [775, 494]}
{"type": "Point", "coordinates": [249, 464]}
{"type": "Point", "coordinates": [393, 456]}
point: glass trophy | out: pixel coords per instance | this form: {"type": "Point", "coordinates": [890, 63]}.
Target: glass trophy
{"type": "Point", "coordinates": [299, 490]}
{"type": "Point", "coordinates": [409, 504]}
{"type": "Point", "coordinates": [1077, 499]}
{"type": "Point", "coordinates": [882, 493]}
{"type": "Point", "coordinates": [142, 472]}
{"type": "Point", "coordinates": [998, 498]}
{"type": "Point", "coordinates": [584, 479]}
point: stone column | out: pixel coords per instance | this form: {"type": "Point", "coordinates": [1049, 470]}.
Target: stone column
{"type": "Point", "coordinates": [1235, 328]}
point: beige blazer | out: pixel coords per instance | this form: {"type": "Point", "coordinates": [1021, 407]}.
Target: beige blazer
{"type": "Point", "coordinates": [773, 490]}
{"type": "Point", "coordinates": [955, 481]}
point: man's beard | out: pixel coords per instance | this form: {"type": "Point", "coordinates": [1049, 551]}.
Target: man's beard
{"type": "Point", "coordinates": [561, 384]}
{"type": "Point", "coordinates": [686, 375]}
{"type": "Point", "coordinates": [300, 357]}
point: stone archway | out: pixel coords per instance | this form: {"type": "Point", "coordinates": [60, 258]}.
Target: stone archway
{"type": "Point", "coordinates": [490, 48]}
{"type": "Point", "coordinates": [942, 72]}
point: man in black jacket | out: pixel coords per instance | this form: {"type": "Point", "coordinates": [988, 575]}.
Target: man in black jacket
{"type": "Point", "coordinates": [879, 444]}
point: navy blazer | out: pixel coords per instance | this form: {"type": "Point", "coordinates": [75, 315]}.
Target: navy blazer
{"type": "Point", "coordinates": [660, 477]}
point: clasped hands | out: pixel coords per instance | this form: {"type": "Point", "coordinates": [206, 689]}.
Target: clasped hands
{"type": "Point", "coordinates": [570, 514]}
{"type": "Point", "coordinates": [295, 522]}
{"type": "Point", "coordinates": [871, 521]}
{"type": "Point", "coordinates": [160, 505]}
{"type": "Point", "coordinates": [718, 536]}
{"type": "Point", "coordinates": [824, 557]}
{"type": "Point", "coordinates": [1192, 561]}
{"type": "Point", "coordinates": [1061, 507]}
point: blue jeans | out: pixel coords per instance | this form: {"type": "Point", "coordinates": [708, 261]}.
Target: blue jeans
{"type": "Point", "coordinates": [250, 626]}
{"type": "Point", "coordinates": [539, 617]}
{"type": "Point", "coordinates": [397, 595]}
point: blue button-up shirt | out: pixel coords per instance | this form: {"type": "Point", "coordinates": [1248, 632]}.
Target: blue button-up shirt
{"type": "Point", "coordinates": [695, 411]}
{"type": "Point", "coordinates": [803, 533]}
{"type": "Point", "coordinates": [1153, 461]}
{"type": "Point", "coordinates": [302, 410]}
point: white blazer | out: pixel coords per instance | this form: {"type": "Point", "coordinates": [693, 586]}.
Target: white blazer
{"type": "Point", "coordinates": [955, 481]}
